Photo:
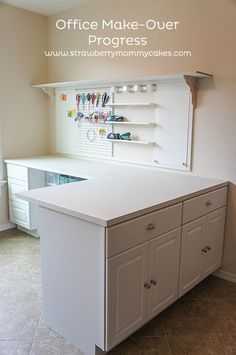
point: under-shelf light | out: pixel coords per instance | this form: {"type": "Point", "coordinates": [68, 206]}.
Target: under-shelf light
{"type": "Point", "coordinates": [143, 88]}
{"type": "Point", "coordinates": [119, 89]}
{"type": "Point", "coordinates": [133, 88]}
{"type": "Point", "coordinates": [154, 87]}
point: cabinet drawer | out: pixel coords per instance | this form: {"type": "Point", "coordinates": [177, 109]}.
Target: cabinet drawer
{"type": "Point", "coordinates": [15, 186]}
{"type": "Point", "coordinates": [138, 230]}
{"type": "Point", "coordinates": [17, 172]}
{"type": "Point", "coordinates": [19, 214]}
{"type": "Point", "coordinates": [201, 205]}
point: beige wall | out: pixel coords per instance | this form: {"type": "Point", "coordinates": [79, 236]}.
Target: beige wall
{"type": "Point", "coordinates": [23, 110]}
{"type": "Point", "coordinates": [208, 29]}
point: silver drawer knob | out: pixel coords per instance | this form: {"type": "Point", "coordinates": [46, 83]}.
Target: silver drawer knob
{"type": "Point", "coordinates": [150, 227]}
{"type": "Point", "coordinates": [208, 248]}
{"type": "Point", "coordinates": [208, 203]}
{"type": "Point", "coordinates": [204, 250]}
{"type": "Point", "coordinates": [147, 285]}
{"type": "Point", "coordinates": [152, 281]}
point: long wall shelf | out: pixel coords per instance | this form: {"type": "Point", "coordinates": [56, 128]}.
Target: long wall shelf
{"type": "Point", "coordinates": [145, 104]}
{"type": "Point", "coordinates": [125, 123]}
{"type": "Point", "coordinates": [108, 83]}
{"type": "Point", "coordinates": [132, 142]}
{"type": "Point", "coordinates": [128, 123]}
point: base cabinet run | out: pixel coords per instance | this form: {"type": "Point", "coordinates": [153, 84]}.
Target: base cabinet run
{"type": "Point", "coordinates": [145, 279]}
{"type": "Point", "coordinates": [141, 282]}
{"type": "Point", "coordinates": [101, 284]}
{"type": "Point", "coordinates": [20, 179]}
{"type": "Point", "coordinates": [201, 250]}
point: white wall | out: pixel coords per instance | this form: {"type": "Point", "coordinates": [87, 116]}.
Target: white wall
{"type": "Point", "coordinates": [23, 111]}
{"type": "Point", "coordinates": [208, 29]}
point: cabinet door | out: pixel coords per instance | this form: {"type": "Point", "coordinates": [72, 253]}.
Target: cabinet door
{"type": "Point", "coordinates": [193, 241]}
{"type": "Point", "coordinates": [19, 214]}
{"type": "Point", "coordinates": [214, 240]}
{"type": "Point", "coordinates": [126, 294]}
{"type": "Point", "coordinates": [17, 172]}
{"type": "Point", "coordinates": [16, 186]}
{"type": "Point", "coordinates": [163, 271]}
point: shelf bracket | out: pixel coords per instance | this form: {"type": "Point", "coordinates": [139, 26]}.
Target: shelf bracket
{"type": "Point", "coordinates": [192, 83]}
{"type": "Point", "coordinates": [50, 92]}
{"type": "Point", "coordinates": [2, 182]}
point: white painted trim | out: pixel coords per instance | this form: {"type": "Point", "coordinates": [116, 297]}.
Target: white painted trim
{"type": "Point", "coordinates": [6, 226]}
{"type": "Point", "coordinates": [225, 275]}
{"type": "Point", "coordinates": [104, 83]}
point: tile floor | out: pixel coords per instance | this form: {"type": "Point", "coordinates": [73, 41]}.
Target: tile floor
{"type": "Point", "coordinates": [203, 322]}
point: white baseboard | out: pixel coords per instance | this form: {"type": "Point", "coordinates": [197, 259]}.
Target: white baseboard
{"type": "Point", "coordinates": [225, 275]}
{"type": "Point", "coordinates": [6, 226]}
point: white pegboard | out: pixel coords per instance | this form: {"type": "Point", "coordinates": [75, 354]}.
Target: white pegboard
{"type": "Point", "coordinates": [88, 140]}
{"type": "Point", "coordinates": [172, 116]}
{"type": "Point", "coordinates": [82, 137]}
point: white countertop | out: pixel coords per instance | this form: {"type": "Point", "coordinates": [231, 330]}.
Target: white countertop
{"type": "Point", "coordinates": [75, 167]}
{"type": "Point", "coordinates": [114, 193]}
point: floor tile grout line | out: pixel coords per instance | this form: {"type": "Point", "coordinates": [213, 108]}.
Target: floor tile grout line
{"type": "Point", "coordinates": [194, 335]}
{"type": "Point", "coordinates": [210, 299]}
{"type": "Point", "coordinates": [16, 339]}
{"type": "Point", "coordinates": [34, 336]}
{"type": "Point", "coordinates": [200, 335]}
{"type": "Point", "coordinates": [168, 344]}
{"type": "Point", "coordinates": [20, 250]}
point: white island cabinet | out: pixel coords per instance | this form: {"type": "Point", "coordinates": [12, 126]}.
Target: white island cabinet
{"type": "Point", "coordinates": [202, 245]}
{"type": "Point", "coordinates": [202, 238]}
{"type": "Point", "coordinates": [111, 262]}
{"type": "Point", "coordinates": [143, 280]}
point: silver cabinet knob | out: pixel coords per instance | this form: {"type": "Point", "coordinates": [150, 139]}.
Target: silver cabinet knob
{"type": "Point", "coordinates": [150, 227]}
{"type": "Point", "coordinates": [152, 281]}
{"type": "Point", "coordinates": [208, 203]}
{"type": "Point", "coordinates": [208, 248]}
{"type": "Point", "coordinates": [204, 250]}
{"type": "Point", "coordinates": [147, 285]}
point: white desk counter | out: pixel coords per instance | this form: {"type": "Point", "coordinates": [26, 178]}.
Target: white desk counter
{"type": "Point", "coordinates": [75, 167]}
{"type": "Point", "coordinates": [113, 193]}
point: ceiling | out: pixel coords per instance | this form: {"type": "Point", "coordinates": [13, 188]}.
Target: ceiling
{"type": "Point", "coordinates": [45, 7]}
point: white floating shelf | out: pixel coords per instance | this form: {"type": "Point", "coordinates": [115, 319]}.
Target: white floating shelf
{"type": "Point", "coordinates": [145, 104]}
{"type": "Point", "coordinates": [132, 141]}
{"type": "Point", "coordinates": [148, 124]}
{"type": "Point", "coordinates": [115, 82]}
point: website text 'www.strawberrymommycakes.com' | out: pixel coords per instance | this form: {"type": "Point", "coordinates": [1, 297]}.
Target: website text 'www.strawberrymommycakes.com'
{"type": "Point", "coordinates": [118, 53]}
